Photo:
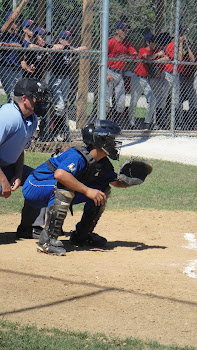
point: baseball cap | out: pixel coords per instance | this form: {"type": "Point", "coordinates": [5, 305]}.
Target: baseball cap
{"type": "Point", "coordinates": [27, 87]}
{"type": "Point", "coordinates": [27, 23]}
{"type": "Point", "coordinates": [122, 25]}
{"type": "Point", "coordinates": [40, 31]}
{"type": "Point", "coordinates": [64, 34]}
{"type": "Point", "coordinates": [149, 37]}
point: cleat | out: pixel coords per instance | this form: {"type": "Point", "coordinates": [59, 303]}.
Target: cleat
{"type": "Point", "coordinates": [75, 239]}
{"type": "Point", "coordinates": [28, 232]}
{"type": "Point", "coordinates": [93, 240]}
{"type": "Point", "coordinates": [50, 249]}
{"type": "Point", "coordinates": [36, 231]}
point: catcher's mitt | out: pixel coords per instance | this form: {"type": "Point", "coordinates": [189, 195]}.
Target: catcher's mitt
{"type": "Point", "coordinates": [134, 171]}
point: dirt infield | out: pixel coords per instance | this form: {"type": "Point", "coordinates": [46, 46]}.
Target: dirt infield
{"type": "Point", "coordinates": [142, 285]}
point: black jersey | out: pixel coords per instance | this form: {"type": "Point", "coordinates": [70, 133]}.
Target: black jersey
{"type": "Point", "coordinates": [61, 62]}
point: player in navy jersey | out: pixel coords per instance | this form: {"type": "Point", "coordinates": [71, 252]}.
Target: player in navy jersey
{"type": "Point", "coordinates": [60, 82]}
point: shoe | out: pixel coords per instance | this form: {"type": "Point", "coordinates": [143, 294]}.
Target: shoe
{"type": "Point", "coordinates": [155, 127]}
{"type": "Point", "coordinates": [146, 126]}
{"type": "Point", "coordinates": [132, 127]}
{"type": "Point", "coordinates": [48, 248]}
{"type": "Point", "coordinates": [178, 126]}
{"type": "Point", "coordinates": [28, 232]}
{"type": "Point", "coordinates": [36, 230]}
{"type": "Point", "coordinates": [59, 138]}
{"type": "Point", "coordinates": [93, 240]}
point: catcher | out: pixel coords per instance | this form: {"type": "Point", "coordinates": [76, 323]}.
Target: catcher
{"type": "Point", "coordinates": [80, 175]}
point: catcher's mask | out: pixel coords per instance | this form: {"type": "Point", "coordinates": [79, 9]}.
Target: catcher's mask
{"type": "Point", "coordinates": [102, 134]}
{"type": "Point", "coordinates": [34, 88]}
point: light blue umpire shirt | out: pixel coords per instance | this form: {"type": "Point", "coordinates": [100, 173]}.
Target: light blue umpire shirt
{"type": "Point", "coordinates": [15, 133]}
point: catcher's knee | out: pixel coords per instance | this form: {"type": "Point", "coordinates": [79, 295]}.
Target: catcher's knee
{"type": "Point", "coordinates": [63, 197]}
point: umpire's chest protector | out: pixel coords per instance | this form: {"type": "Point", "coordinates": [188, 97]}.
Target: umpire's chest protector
{"type": "Point", "coordinates": [93, 170]}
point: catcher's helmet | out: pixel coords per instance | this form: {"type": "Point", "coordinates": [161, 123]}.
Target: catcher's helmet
{"type": "Point", "coordinates": [34, 88]}
{"type": "Point", "coordinates": [102, 133]}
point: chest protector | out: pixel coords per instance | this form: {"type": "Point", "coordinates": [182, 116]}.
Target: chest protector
{"type": "Point", "coordinates": [93, 169]}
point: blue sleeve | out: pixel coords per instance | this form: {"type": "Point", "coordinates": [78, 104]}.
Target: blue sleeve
{"type": "Point", "coordinates": [70, 161]}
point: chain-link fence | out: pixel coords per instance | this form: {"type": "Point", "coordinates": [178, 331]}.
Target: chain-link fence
{"type": "Point", "coordinates": [151, 83]}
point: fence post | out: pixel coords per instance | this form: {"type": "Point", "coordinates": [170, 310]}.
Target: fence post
{"type": "Point", "coordinates": [84, 65]}
{"type": "Point", "coordinates": [47, 76]}
{"type": "Point", "coordinates": [175, 73]}
{"type": "Point", "coordinates": [14, 4]}
{"type": "Point", "coordinates": [104, 59]}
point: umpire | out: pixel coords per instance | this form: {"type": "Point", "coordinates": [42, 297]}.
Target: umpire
{"type": "Point", "coordinates": [18, 121]}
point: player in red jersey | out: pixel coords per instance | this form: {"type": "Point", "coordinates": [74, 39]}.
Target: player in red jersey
{"type": "Point", "coordinates": [157, 76]}
{"type": "Point", "coordinates": [187, 92]}
{"type": "Point", "coordinates": [118, 47]}
{"type": "Point", "coordinates": [140, 81]}
{"type": "Point", "coordinates": [169, 78]}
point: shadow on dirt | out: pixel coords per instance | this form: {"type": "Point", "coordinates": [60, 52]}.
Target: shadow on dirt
{"type": "Point", "coordinates": [135, 245]}
{"type": "Point", "coordinates": [99, 290]}
{"type": "Point", "coordinates": [138, 246]}
{"type": "Point", "coordinates": [10, 237]}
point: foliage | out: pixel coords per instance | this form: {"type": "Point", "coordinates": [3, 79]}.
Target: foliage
{"type": "Point", "coordinates": [141, 15]}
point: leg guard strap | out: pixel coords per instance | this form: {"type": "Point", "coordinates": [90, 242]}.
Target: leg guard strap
{"type": "Point", "coordinates": [56, 215]}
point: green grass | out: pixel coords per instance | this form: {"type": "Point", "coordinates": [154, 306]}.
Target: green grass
{"type": "Point", "coordinates": [171, 186]}
{"type": "Point", "coordinates": [140, 112]}
{"type": "Point", "coordinates": [3, 99]}
{"type": "Point", "coordinates": [13, 336]}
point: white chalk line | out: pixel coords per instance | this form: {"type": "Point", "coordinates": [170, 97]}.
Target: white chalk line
{"type": "Point", "coordinates": [191, 238]}
{"type": "Point", "coordinates": [189, 270]}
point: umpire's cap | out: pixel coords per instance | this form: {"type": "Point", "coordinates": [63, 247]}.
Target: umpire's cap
{"type": "Point", "coordinates": [29, 87]}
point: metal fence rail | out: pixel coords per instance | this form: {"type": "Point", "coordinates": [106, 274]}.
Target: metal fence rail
{"type": "Point", "coordinates": [76, 47]}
